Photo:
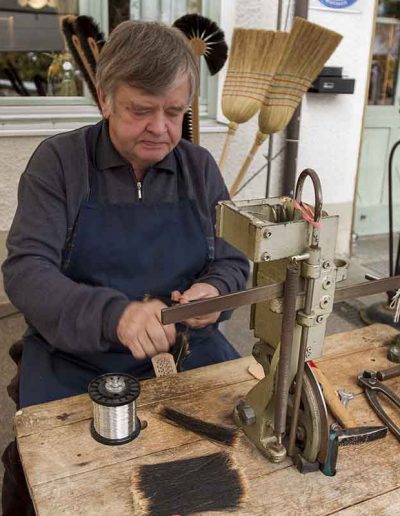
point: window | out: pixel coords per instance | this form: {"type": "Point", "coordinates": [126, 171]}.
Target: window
{"type": "Point", "coordinates": [33, 58]}
{"type": "Point", "coordinates": [41, 90]}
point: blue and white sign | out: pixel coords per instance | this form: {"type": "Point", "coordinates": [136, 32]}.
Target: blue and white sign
{"type": "Point", "coordinates": [338, 4]}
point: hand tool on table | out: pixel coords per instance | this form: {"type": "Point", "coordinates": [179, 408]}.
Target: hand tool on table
{"type": "Point", "coordinates": [345, 397]}
{"type": "Point", "coordinates": [281, 238]}
{"type": "Point", "coordinates": [337, 408]}
{"type": "Point", "coordinates": [370, 381]}
{"type": "Point", "coordinates": [339, 436]}
{"type": "Point", "coordinates": [347, 432]}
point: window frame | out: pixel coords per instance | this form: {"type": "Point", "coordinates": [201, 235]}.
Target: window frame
{"type": "Point", "coordinates": [45, 116]}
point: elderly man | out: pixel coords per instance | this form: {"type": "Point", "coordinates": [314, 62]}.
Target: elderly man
{"type": "Point", "coordinates": [110, 213]}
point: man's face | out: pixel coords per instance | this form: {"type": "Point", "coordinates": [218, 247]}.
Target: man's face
{"type": "Point", "coordinates": [144, 128]}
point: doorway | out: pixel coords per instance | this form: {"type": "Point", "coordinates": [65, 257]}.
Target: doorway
{"type": "Point", "coordinates": [381, 129]}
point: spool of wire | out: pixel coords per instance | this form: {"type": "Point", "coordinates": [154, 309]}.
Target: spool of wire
{"type": "Point", "coordinates": [114, 408]}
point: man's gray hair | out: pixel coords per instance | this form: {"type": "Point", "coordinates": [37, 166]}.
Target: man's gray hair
{"type": "Point", "coordinates": [146, 55]}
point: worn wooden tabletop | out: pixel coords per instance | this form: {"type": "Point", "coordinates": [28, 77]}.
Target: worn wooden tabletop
{"type": "Point", "coordinates": [69, 473]}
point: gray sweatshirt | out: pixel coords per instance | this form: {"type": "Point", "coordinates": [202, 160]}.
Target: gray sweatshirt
{"type": "Point", "coordinates": [79, 318]}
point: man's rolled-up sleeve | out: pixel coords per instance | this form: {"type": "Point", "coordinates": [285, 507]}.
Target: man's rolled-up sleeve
{"type": "Point", "coordinates": [70, 316]}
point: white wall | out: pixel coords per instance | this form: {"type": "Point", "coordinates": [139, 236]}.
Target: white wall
{"type": "Point", "coordinates": [330, 124]}
{"type": "Point", "coordinates": [14, 154]}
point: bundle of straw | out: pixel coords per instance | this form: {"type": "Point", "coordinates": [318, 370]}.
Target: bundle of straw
{"type": "Point", "coordinates": [254, 57]}
{"type": "Point", "coordinates": [308, 48]}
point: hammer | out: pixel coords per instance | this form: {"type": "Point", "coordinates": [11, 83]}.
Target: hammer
{"type": "Point", "coordinates": [350, 433]}
{"type": "Point", "coordinates": [337, 408]}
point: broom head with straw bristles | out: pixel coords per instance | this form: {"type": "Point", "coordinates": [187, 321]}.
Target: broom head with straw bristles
{"type": "Point", "coordinates": [308, 48]}
{"type": "Point", "coordinates": [254, 57]}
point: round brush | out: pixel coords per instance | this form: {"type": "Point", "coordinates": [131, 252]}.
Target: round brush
{"type": "Point", "coordinates": [207, 40]}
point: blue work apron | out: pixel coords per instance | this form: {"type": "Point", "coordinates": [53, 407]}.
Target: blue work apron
{"type": "Point", "coordinates": [137, 249]}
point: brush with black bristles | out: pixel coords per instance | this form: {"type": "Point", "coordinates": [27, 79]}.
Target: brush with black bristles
{"type": "Point", "coordinates": [91, 38]}
{"type": "Point", "coordinates": [207, 40]}
{"type": "Point", "coordinates": [73, 44]}
{"type": "Point", "coordinates": [219, 433]}
{"type": "Point", "coordinates": [187, 128]}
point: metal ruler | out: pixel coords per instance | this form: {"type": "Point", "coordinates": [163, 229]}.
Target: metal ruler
{"type": "Point", "coordinates": [180, 313]}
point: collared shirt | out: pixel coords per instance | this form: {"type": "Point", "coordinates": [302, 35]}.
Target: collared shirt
{"type": "Point", "coordinates": [82, 318]}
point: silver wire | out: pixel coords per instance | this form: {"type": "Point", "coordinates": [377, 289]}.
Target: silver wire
{"type": "Point", "coordinates": [114, 422]}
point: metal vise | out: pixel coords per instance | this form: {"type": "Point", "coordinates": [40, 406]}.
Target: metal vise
{"type": "Point", "coordinates": [274, 234]}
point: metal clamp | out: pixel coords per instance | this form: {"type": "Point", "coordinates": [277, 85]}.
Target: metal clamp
{"type": "Point", "coordinates": [372, 386]}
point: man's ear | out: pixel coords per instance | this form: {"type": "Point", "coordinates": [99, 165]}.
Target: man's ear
{"type": "Point", "coordinates": [105, 108]}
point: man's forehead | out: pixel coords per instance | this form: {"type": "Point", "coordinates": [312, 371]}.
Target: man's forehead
{"type": "Point", "coordinates": [178, 93]}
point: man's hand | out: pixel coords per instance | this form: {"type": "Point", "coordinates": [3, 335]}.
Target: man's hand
{"type": "Point", "coordinates": [195, 292]}
{"type": "Point", "coordinates": [140, 329]}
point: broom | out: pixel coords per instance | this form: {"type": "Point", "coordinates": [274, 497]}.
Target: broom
{"type": "Point", "coordinates": [308, 48]}
{"type": "Point", "coordinates": [91, 39]}
{"type": "Point", "coordinates": [74, 46]}
{"type": "Point", "coordinates": [253, 59]}
{"type": "Point", "coordinates": [208, 40]}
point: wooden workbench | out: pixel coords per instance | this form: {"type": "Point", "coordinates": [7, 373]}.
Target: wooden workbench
{"type": "Point", "coordinates": [69, 473]}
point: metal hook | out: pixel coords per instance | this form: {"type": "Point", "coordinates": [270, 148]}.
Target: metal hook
{"type": "Point", "coordinates": [309, 172]}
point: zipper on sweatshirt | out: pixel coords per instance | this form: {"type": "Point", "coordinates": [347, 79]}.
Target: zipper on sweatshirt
{"type": "Point", "coordinates": [139, 190]}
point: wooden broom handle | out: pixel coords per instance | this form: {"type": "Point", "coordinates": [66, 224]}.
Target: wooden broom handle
{"type": "Point", "coordinates": [260, 138]}
{"type": "Point", "coordinates": [198, 47]}
{"type": "Point", "coordinates": [335, 405]}
{"type": "Point", "coordinates": [231, 131]}
{"type": "Point", "coordinates": [78, 47]}
{"type": "Point", "coordinates": [94, 48]}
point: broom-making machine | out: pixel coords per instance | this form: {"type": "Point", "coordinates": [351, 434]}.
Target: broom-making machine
{"type": "Point", "coordinates": [295, 279]}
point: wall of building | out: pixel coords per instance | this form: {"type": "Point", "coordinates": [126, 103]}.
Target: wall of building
{"type": "Point", "coordinates": [330, 125]}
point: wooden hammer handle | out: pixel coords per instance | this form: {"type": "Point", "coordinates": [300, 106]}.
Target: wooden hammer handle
{"type": "Point", "coordinates": [335, 405]}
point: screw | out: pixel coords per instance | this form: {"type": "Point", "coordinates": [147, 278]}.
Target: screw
{"type": "Point", "coordinates": [320, 318]}
{"type": "Point", "coordinates": [266, 257]}
{"type": "Point", "coordinates": [326, 283]}
{"type": "Point", "coordinates": [267, 233]}
{"type": "Point", "coordinates": [324, 301]}
{"type": "Point", "coordinates": [326, 264]}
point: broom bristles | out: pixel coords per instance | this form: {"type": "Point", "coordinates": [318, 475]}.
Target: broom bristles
{"type": "Point", "coordinates": [255, 56]}
{"type": "Point", "coordinates": [308, 48]}
{"type": "Point", "coordinates": [251, 67]}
